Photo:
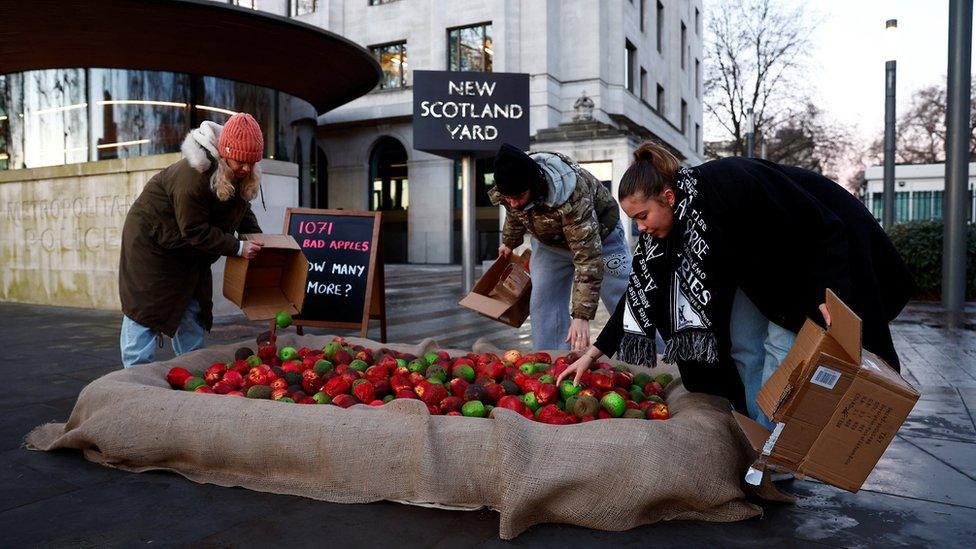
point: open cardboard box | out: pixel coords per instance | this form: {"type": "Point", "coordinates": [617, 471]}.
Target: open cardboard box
{"type": "Point", "coordinates": [836, 406]}
{"type": "Point", "coordinates": [505, 308]}
{"type": "Point", "coordinates": [273, 281]}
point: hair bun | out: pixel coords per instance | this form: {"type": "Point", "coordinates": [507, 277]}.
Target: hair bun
{"type": "Point", "coordinates": [645, 151]}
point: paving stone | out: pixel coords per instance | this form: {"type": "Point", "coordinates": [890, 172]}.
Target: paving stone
{"type": "Point", "coordinates": [960, 455]}
{"type": "Point", "coordinates": [21, 486]}
{"type": "Point", "coordinates": [19, 421]}
{"type": "Point", "coordinates": [907, 470]}
{"type": "Point", "coordinates": [30, 389]}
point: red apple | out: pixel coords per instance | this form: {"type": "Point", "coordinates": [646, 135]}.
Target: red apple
{"type": "Point", "coordinates": [344, 400]}
{"type": "Point", "coordinates": [364, 390]}
{"type": "Point", "coordinates": [495, 391]}
{"type": "Point", "coordinates": [451, 404]}
{"type": "Point", "coordinates": [458, 386]}
{"type": "Point", "coordinates": [336, 386]}
{"type": "Point", "coordinates": [234, 378]}
{"type": "Point", "coordinates": [177, 376]}
{"type": "Point", "coordinates": [214, 373]}
{"type": "Point", "coordinates": [546, 394]}
{"type": "Point", "coordinates": [658, 410]}
{"type": "Point", "coordinates": [400, 382]}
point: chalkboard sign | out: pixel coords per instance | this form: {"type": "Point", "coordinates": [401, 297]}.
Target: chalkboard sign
{"type": "Point", "coordinates": [345, 286]}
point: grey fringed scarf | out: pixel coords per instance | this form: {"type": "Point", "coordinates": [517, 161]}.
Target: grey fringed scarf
{"type": "Point", "coordinates": [680, 278]}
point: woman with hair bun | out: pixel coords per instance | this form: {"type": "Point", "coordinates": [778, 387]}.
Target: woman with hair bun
{"type": "Point", "coordinates": [733, 256]}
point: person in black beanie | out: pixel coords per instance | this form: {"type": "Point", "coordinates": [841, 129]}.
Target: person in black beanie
{"type": "Point", "coordinates": [579, 253]}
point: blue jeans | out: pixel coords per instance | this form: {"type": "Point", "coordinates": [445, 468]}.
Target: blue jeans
{"type": "Point", "coordinates": [138, 343]}
{"type": "Point", "coordinates": [552, 285]}
{"type": "Point", "coordinates": [758, 348]}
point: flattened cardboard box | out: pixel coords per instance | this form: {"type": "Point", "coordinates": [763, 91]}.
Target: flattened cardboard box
{"type": "Point", "coordinates": [505, 307]}
{"type": "Point", "coordinates": [273, 281]}
{"type": "Point", "coordinates": [836, 406]}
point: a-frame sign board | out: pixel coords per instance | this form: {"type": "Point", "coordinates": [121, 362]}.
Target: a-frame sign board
{"type": "Point", "coordinates": [345, 287]}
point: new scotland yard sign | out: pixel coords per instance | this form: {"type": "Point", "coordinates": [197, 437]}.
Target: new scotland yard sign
{"type": "Point", "coordinates": [458, 113]}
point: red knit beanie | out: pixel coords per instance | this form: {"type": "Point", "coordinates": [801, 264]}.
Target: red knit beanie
{"type": "Point", "coordinates": [241, 139]}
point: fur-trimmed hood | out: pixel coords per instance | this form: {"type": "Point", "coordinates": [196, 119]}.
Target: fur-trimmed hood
{"type": "Point", "coordinates": [199, 148]}
{"type": "Point", "coordinates": [199, 142]}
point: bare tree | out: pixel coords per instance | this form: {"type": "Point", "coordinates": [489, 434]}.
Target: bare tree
{"type": "Point", "coordinates": [810, 139]}
{"type": "Point", "coordinates": [921, 131]}
{"type": "Point", "coordinates": [754, 59]}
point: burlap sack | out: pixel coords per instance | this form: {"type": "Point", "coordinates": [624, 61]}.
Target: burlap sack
{"type": "Point", "coordinates": [607, 474]}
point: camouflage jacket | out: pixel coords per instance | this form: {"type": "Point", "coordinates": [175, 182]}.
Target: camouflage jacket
{"type": "Point", "coordinates": [577, 213]}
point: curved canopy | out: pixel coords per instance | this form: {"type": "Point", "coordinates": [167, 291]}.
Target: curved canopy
{"type": "Point", "coordinates": [188, 36]}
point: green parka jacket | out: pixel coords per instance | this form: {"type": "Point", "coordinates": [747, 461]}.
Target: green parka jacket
{"type": "Point", "coordinates": [176, 229]}
{"type": "Point", "coordinates": [574, 212]}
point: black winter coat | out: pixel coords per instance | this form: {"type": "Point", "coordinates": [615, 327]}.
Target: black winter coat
{"type": "Point", "coordinates": [784, 235]}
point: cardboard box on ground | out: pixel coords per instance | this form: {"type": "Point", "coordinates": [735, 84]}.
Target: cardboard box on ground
{"type": "Point", "coordinates": [502, 293]}
{"type": "Point", "coordinates": [836, 405]}
{"type": "Point", "coordinates": [273, 281]}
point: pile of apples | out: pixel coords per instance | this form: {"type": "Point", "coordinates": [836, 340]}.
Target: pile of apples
{"type": "Point", "coordinates": [472, 385]}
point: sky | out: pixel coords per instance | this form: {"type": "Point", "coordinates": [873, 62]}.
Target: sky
{"type": "Point", "coordinates": [846, 66]}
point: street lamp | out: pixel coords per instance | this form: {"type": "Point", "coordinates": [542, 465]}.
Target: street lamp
{"type": "Point", "coordinates": [957, 161]}
{"type": "Point", "coordinates": [750, 133]}
{"type": "Point", "coordinates": [888, 219]}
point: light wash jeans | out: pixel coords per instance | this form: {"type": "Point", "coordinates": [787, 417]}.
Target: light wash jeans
{"type": "Point", "coordinates": [758, 348]}
{"type": "Point", "coordinates": [138, 343]}
{"type": "Point", "coordinates": [552, 284]}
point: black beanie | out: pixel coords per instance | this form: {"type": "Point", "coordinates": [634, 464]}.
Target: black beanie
{"type": "Point", "coordinates": [515, 171]}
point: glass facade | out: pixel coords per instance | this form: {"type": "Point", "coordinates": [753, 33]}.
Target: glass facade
{"type": "Point", "coordinates": [470, 48]}
{"type": "Point", "coordinates": [65, 116]}
{"type": "Point", "coordinates": [393, 62]}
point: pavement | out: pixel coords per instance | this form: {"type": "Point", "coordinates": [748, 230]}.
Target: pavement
{"type": "Point", "coordinates": [922, 493]}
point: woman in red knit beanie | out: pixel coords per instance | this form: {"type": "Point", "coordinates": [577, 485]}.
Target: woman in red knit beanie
{"type": "Point", "coordinates": [184, 221]}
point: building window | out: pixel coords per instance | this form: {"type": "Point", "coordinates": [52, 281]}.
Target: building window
{"type": "Point", "coordinates": [643, 14]}
{"type": "Point", "coordinates": [698, 79]}
{"type": "Point", "coordinates": [630, 60]}
{"type": "Point", "coordinates": [901, 206]}
{"type": "Point", "coordinates": [378, 2]}
{"type": "Point", "coordinates": [393, 62]}
{"type": "Point", "coordinates": [921, 205]}
{"type": "Point", "coordinates": [643, 84]}
{"type": "Point", "coordinates": [470, 48]}
{"type": "Point", "coordinates": [697, 138]}
{"type": "Point", "coordinates": [302, 7]}
{"type": "Point", "coordinates": [660, 100]}
{"type": "Point", "coordinates": [697, 22]}
{"type": "Point", "coordinates": [245, 3]}
{"type": "Point", "coordinates": [684, 116]}
{"type": "Point", "coordinates": [877, 206]}
{"type": "Point", "coordinates": [684, 45]}
{"type": "Point", "coordinates": [660, 27]}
